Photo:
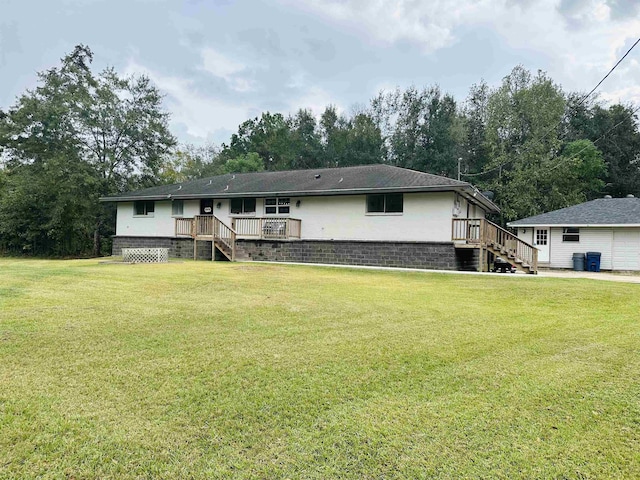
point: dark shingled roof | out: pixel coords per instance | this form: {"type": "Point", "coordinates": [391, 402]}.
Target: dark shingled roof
{"type": "Point", "coordinates": [602, 211]}
{"type": "Point", "coordinates": [323, 181]}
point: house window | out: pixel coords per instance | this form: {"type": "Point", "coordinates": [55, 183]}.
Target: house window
{"type": "Point", "coordinates": [241, 206]}
{"type": "Point", "coordinates": [542, 236]}
{"type": "Point", "coordinates": [274, 206]}
{"type": "Point", "coordinates": [143, 208]}
{"type": "Point", "coordinates": [570, 234]}
{"type": "Point", "coordinates": [385, 203]}
{"type": "Point", "coordinates": [177, 208]}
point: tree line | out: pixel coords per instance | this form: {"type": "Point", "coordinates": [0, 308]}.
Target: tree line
{"type": "Point", "coordinates": [80, 135]}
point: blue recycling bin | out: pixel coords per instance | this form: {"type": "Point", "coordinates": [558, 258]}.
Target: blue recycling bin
{"type": "Point", "coordinates": [593, 261]}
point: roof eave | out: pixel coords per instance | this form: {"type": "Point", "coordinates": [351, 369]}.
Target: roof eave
{"type": "Point", "coordinates": [472, 192]}
{"type": "Point", "coordinates": [569, 224]}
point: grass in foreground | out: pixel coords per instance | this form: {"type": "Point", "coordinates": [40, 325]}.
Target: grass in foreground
{"type": "Point", "coordinates": [218, 370]}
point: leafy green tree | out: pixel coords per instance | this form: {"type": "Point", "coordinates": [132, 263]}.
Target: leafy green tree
{"type": "Point", "coordinates": [350, 141]}
{"type": "Point", "coordinates": [44, 207]}
{"type": "Point", "coordinates": [364, 143]}
{"type": "Point", "coordinates": [190, 162]}
{"type": "Point", "coordinates": [110, 128]}
{"type": "Point", "coordinates": [474, 151]}
{"type": "Point", "coordinates": [305, 141]}
{"type": "Point", "coordinates": [269, 136]}
{"type": "Point", "coordinates": [577, 175]}
{"type": "Point", "coordinates": [421, 129]}
{"type": "Point", "coordinates": [615, 129]}
{"type": "Point", "coordinates": [251, 162]}
{"type": "Point", "coordinates": [523, 123]}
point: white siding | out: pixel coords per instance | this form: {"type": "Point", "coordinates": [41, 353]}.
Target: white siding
{"type": "Point", "coordinates": [160, 224]}
{"type": "Point", "coordinates": [591, 240]}
{"type": "Point", "coordinates": [426, 217]}
{"type": "Point", "coordinates": [468, 209]}
{"type": "Point", "coordinates": [525, 234]}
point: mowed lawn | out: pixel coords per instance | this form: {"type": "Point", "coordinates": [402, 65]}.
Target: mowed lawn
{"type": "Point", "coordinates": [220, 370]}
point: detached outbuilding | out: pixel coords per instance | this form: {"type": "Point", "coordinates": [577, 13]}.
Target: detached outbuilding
{"type": "Point", "coordinates": [607, 225]}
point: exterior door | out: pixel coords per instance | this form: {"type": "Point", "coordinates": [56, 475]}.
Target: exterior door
{"type": "Point", "coordinates": [206, 206]}
{"type": "Point", "coordinates": [626, 249]}
{"type": "Point", "coordinates": [541, 242]}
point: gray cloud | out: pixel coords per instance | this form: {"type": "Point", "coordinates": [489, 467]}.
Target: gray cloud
{"type": "Point", "coordinates": [623, 9]}
{"type": "Point", "coordinates": [221, 62]}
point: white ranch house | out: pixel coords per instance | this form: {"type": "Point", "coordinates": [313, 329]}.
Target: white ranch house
{"type": "Point", "coordinates": [365, 215]}
{"type": "Point", "coordinates": [607, 225]}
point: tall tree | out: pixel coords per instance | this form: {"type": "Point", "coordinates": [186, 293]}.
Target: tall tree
{"type": "Point", "coordinates": [190, 162]}
{"type": "Point", "coordinates": [615, 129]}
{"type": "Point", "coordinates": [523, 124]}
{"type": "Point", "coordinates": [269, 136]}
{"type": "Point", "coordinates": [306, 141]}
{"type": "Point", "coordinates": [421, 129]}
{"type": "Point", "coordinates": [474, 117]}
{"type": "Point", "coordinates": [110, 127]}
{"type": "Point", "coordinates": [350, 141]}
{"type": "Point", "coordinates": [251, 162]}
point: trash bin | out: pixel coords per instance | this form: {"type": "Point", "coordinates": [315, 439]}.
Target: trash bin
{"type": "Point", "coordinates": [593, 261]}
{"type": "Point", "coordinates": [578, 262]}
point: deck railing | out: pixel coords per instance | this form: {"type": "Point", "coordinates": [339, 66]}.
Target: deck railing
{"type": "Point", "coordinates": [267, 228]}
{"type": "Point", "coordinates": [485, 233]}
{"type": "Point", "coordinates": [250, 227]}
{"type": "Point", "coordinates": [185, 226]}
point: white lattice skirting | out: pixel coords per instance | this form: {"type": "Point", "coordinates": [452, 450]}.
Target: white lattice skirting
{"type": "Point", "coordinates": [145, 255]}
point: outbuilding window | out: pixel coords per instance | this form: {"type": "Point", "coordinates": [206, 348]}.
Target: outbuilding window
{"type": "Point", "coordinates": [570, 234]}
{"type": "Point", "coordinates": [240, 206]}
{"type": "Point", "coordinates": [143, 208]}
{"type": "Point", "coordinates": [385, 203]}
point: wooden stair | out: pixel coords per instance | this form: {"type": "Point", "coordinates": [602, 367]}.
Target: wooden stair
{"type": "Point", "coordinates": [510, 256]}
{"type": "Point", "coordinates": [487, 236]}
{"type": "Point", "coordinates": [211, 228]}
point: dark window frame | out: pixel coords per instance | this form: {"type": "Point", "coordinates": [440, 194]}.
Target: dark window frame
{"type": "Point", "coordinates": [385, 204]}
{"type": "Point", "coordinates": [571, 234]}
{"type": "Point", "coordinates": [277, 205]}
{"type": "Point", "coordinates": [144, 208]}
{"type": "Point", "coordinates": [245, 206]}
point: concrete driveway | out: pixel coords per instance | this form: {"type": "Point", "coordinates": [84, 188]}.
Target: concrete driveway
{"type": "Point", "coordinates": [611, 276]}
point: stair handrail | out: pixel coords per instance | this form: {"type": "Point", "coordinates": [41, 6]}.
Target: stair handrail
{"type": "Point", "coordinates": [508, 233]}
{"type": "Point", "coordinates": [482, 232]}
{"type": "Point", "coordinates": [225, 234]}
{"type": "Point", "coordinates": [523, 250]}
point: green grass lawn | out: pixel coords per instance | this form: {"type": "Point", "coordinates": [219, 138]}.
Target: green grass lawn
{"type": "Point", "coordinates": [220, 370]}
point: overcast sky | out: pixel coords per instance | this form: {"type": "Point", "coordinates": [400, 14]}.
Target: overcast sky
{"type": "Point", "coordinates": [220, 62]}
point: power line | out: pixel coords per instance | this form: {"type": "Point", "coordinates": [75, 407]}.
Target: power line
{"type": "Point", "coordinates": [610, 72]}
{"type": "Point", "coordinates": [564, 117]}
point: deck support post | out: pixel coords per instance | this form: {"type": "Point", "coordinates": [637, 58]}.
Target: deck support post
{"type": "Point", "coordinates": [194, 248]}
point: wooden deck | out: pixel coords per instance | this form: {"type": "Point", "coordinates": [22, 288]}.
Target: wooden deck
{"type": "Point", "coordinates": [465, 233]}
{"type": "Point", "coordinates": [223, 237]}
{"type": "Point", "coordinates": [489, 237]}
